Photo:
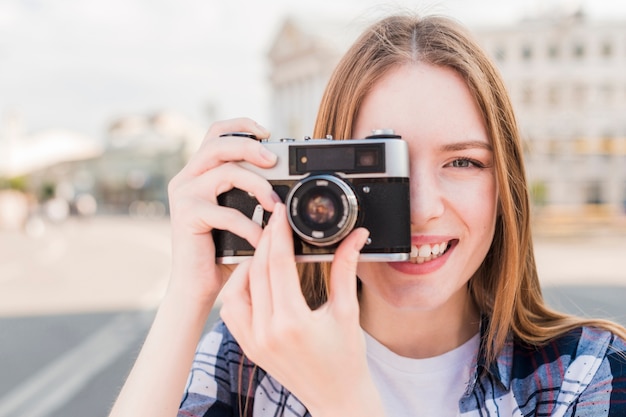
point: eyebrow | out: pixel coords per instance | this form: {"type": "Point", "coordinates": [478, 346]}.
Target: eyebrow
{"type": "Point", "coordinates": [460, 146]}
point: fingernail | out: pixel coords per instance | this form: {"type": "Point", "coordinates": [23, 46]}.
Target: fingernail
{"type": "Point", "coordinates": [278, 209]}
{"type": "Point", "coordinates": [361, 242]}
{"type": "Point", "coordinates": [268, 155]}
{"type": "Point", "coordinates": [275, 197]}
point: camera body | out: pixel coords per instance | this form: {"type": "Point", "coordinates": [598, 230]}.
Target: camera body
{"type": "Point", "coordinates": [330, 188]}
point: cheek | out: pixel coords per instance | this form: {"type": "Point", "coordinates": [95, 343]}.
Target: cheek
{"type": "Point", "coordinates": [476, 203]}
{"type": "Point", "coordinates": [486, 218]}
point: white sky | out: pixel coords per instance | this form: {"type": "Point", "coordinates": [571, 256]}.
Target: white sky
{"type": "Point", "coordinates": [78, 64]}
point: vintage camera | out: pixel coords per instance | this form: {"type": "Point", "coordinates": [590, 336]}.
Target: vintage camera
{"type": "Point", "coordinates": [329, 188]}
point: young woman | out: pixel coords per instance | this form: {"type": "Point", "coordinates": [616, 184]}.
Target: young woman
{"type": "Point", "coordinates": [460, 329]}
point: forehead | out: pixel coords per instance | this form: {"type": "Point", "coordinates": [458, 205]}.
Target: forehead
{"type": "Point", "coordinates": [422, 100]}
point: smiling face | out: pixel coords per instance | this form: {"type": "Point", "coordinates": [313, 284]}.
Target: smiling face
{"type": "Point", "coordinates": [453, 188]}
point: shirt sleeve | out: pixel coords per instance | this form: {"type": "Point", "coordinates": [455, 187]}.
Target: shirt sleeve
{"type": "Point", "coordinates": [218, 374]}
{"type": "Point", "coordinates": [606, 393]}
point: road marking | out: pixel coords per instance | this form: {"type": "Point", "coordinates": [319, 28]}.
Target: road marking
{"type": "Point", "coordinates": [57, 383]}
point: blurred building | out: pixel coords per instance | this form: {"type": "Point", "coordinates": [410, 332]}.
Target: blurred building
{"type": "Point", "coordinates": [40, 169]}
{"type": "Point", "coordinates": [142, 153]}
{"type": "Point", "coordinates": [302, 58]}
{"type": "Point", "coordinates": [567, 78]}
{"type": "Point", "coordinates": [55, 173]}
{"type": "Point", "coordinates": [23, 153]}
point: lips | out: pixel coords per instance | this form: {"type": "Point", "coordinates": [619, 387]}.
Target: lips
{"type": "Point", "coordinates": [428, 254]}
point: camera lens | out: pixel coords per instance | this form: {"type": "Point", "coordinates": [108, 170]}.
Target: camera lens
{"type": "Point", "coordinates": [319, 210]}
{"type": "Point", "coordinates": [322, 209]}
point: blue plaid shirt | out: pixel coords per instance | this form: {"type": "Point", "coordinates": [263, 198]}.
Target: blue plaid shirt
{"type": "Point", "coordinates": [582, 374]}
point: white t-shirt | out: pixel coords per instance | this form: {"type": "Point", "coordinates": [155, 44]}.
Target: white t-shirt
{"type": "Point", "coordinates": [421, 387]}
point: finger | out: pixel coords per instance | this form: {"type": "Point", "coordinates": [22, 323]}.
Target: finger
{"type": "Point", "coordinates": [216, 149]}
{"type": "Point", "coordinates": [219, 150]}
{"type": "Point", "coordinates": [241, 124]}
{"type": "Point", "coordinates": [260, 292]}
{"type": "Point", "coordinates": [211, 216]}
{"type": "Point", "coordinates": [229, 176]}
{"type": "Point", "coordinates": [284, 279]}
{"type": "Point", "coordinates": [343, 281]}
{"type": "Point", "coordinates": [193, 201]}
{"type": "Point", "coordinates": [236, 309]}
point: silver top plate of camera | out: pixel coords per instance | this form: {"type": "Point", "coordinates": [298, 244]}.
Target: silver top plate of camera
{"type": "Point", "coordinates": [356, 158]}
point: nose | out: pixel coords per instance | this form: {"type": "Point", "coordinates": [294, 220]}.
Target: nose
{"type": "Point", "coordinates": [427, 199]}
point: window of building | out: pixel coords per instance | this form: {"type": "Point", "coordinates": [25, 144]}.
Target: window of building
{"type": "Point", "coordinates": [553, 51]}
{"type": "Point", "coordinates": [554, 95]}
{"type": "Point", "coordinates": [527, 52]}
{"type": "Point", "coordinates": [581, 146]}
{"type": "Point", "coordinates": [594, 193]}
{"type": "Point", "coordinates": [608, 144]}
{"type": "Point", "coordinates": [606, 49]}
{"type": "Point", "coordinates": [579, 93]}
{"type": "Point", "coordinates": [527, 95]}
{"type": "Point", "coordinates": [555, 148]}
{"type": "Point", "coordinates": [578, 50]}
{"type": "Point", "coordinates": [607, 92]}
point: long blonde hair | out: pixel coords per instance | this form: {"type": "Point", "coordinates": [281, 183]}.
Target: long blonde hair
{"type": "Point", "coordinates": [505, 287]}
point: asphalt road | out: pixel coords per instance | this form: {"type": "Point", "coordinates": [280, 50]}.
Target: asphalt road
{"type": "Point", "coordinates": [76, 301]}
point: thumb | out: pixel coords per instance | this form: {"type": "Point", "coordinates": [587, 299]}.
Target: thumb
{"type": "Point", "coordinates": [343, 281]}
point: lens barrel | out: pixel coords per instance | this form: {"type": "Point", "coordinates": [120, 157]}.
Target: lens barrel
{"type": "Point", "coordinates": [322, 209]}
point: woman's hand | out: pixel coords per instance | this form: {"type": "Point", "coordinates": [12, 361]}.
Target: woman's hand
{"type": "Point", "coordinates": [157, 380]}
{"type": "Point", "coordinates": [195, 212]}
{"type": "Point", "coordinates": [318, 355]}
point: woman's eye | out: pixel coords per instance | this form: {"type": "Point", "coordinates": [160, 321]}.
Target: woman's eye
{"type": "Point", "coordinates": [464, 163]}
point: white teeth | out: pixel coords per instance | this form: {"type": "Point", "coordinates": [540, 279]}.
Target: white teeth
{"type": "Point", "coordinates": [427, 252]}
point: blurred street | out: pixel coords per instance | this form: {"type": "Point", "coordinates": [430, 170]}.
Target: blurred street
{"type": "Point", "coordinates": [87, 147]}
{"type": "Point", "coordinates": [77, 298]}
